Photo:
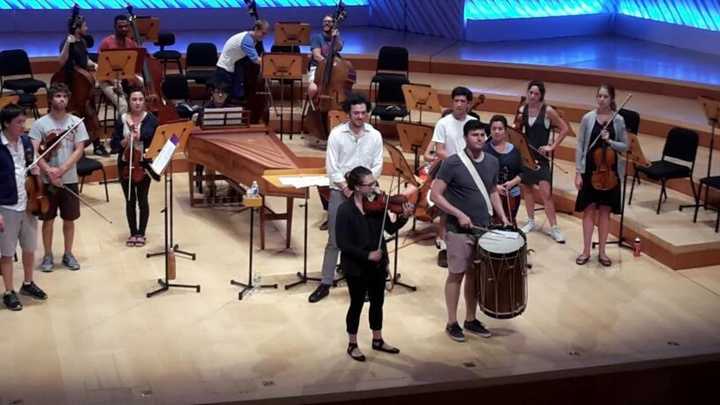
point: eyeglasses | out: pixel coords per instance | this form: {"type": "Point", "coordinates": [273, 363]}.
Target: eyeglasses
{"type": "Point", "coordinates": [373, 184]}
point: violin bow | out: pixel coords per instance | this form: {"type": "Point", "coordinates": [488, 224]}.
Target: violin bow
{"type": "Point", "coordinates": [629, 96]}
{"type": "Point", "coordinates": [385, 211]}
{"type": "Point", "coordinates": [42, 155]}
{"type": "Point", "coordinates": [130, 160]}
{"type": "Point", "coordinates": [87, 204]}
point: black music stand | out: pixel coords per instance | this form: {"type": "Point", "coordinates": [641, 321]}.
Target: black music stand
{"type": "Point", "coordinates": [395, 279]}
{"type": "Point", "coordinates": [633, 155]}
{"type": "Point", "coordinates": [180, 132]}
{"type": "Point", "coordinates": [283, 67]}
{"type": "Point", "coordinates": [252, 203]}
{"type": "Point", "coordinates": [414, 138]}
{"type": "Point", "coordinates": [712, 112]}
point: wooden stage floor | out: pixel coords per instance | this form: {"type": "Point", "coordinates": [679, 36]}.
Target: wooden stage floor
{"type": "Point", "coordinates": [98, 340]}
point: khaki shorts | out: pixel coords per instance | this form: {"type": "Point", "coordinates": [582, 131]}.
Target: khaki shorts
{"type": "Point", "coordinates": [68, 204]}
{"type": "Point", "coordinates": [19, 226]}
{"type": "Point", "coordinates": [460, 252]}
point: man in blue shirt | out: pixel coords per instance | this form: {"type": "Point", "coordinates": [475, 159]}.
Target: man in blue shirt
{"type": "Point", "coordinates": [320, 48]}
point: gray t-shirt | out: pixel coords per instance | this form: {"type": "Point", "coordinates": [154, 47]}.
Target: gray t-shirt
{"type": "Point", "coordinates": [47, 124]}
{"type": "Point", "coordinates": [462, 192]}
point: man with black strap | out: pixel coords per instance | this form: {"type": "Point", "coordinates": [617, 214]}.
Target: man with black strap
{"type": "Point", "coordinates": [465, 189]}
{"type": "Point", "coordinates": [16, 224]}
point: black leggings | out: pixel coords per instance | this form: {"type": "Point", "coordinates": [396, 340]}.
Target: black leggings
{"type": "Point", "coordinates": [372, 282]}
{"type": "Point", "coordinates": [139, 198]}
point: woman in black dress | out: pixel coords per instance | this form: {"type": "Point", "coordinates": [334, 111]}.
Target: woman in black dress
{"type": "Point", "coordinates": [596, 205]}
{"type": "Point", "coordinates": [365, 265]}
{"type": "Point", "coordinates": [510, 166]}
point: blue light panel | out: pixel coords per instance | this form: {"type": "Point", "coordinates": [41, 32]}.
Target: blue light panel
{"type": "Point", "coordinates": [703, 14]}
{"type": "Point", "coordinates": [100, 4]}
{"type": "Point", "coordinates": [504, 9]}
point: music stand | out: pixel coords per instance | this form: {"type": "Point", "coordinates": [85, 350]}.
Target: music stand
{"type": "Point", "coordinates": [5, 100]}
{"type": "Point", "coordinates": [414, 138]}
{"type": "Point", "coordinates": [283, 67]}
{"type": "Point", "coordinates": [163, 133]}
{"type": "Point", "coordinates": [292, 33]}
{"type": "Point", "coordinates": [115, 65]}
{"type": "Point", "coordinates": [712, 112]}
{"type": "Point", "coordinates": [635, 156]}
{"type": "Point", "coordinates": [148, 27]}
{"type": "Point", "coordinates": [421, 97]}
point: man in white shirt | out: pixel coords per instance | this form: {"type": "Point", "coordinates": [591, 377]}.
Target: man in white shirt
{"type": "Point", "coordinates": [447, 140]}
{"type": "Point", "coordinates": [354, 143]}
{"type": "Point", "coordinates": [239, 49]}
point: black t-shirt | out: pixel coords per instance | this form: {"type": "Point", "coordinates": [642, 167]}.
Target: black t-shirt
{"type": "Point", "coordinates": [77, 55]}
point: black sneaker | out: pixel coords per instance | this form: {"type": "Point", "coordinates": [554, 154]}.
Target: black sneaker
{"type": "Point", "coordinates": [33, 290]}
{"type": "Point", "coordinates": [455, 332]}
{"type": "Point", "coordinates": [477, 328]}
{"type": "Point", "coordinates": [442, 258]}
{"type": "Point", "coordinates": [321, 292]}
{"type": "Point", "coordinates": [11, 301]}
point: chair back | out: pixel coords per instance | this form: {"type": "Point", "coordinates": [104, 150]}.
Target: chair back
{"type": "Point", "coordinates": [285, 48]}
{"type": "Point", "coordinates": [393, 58]}
{"type": "Point", "coordinates": [682, 144]}
{"type": "Point", "coordinates": [165, 39]}
{"type": "Point", "coordinates": [175, 87]}
{"type": "Point", "coordinates": [201, 54]}
{"type": "Point", "coordinates": [390, 90]}
{"type": "Point", "coordinates": [632, 120]}
{"type": "Point", "coordinates": [14, 62]}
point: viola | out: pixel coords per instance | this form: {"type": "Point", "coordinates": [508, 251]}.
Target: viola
{"type": "Point", "coordinates": [134, 158]}
{"type": "Point", "coordinates": [37, 201]}
{"type": "Point", "coordinates": [374, 204]}
{"type": "Point", "coordinates": [604, 176]}
{"type": "Point", "coordinates": [334, 78]}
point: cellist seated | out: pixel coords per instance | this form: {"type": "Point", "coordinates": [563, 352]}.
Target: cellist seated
{"type": "Point", "coordinates": [320, 48]}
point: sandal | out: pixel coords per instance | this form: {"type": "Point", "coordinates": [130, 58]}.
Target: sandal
{"type": "Point", "coordinates": [131, 241]}
{"type": "Point", "coordinates": [380, 345]}
{"type": "Point", "coordinates": [582, 259]}
{"type": "Point", "coordinates": [354, 352]}
{"type": "Point", "coordinates": [605, 261]}
{"type": "Point", "coordinates": [139, 241]}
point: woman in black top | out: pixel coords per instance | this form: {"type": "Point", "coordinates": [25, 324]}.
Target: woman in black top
{"type": "Point", "coordinates": [511, 167]}
{"type": "Point", "coordinates": [141, 125]}
{"type": "Point", "coordinates": [365, 266]}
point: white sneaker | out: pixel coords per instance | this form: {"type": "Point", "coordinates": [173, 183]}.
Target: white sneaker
{"type": "Point", "coordinates": [440, 244]}
{"type": "Point", "coordinates": [556, 234]}
{"type": "Point", "coordinates": [529, 226]}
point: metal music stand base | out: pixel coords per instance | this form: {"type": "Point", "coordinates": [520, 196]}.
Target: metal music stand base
{"type": "Point", "coordinates": [621, 241]}
{"type": "Point", "coordinates": [249, 286]}
{"type": "Point", "coordinates": [165, 286]}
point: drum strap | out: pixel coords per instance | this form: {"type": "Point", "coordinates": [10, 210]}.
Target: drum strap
{"type": "Point", "coordinates": [476, 177]}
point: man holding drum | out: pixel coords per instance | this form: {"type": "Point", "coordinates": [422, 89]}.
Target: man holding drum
{"type": "Point", "coordinates": [465, 189]}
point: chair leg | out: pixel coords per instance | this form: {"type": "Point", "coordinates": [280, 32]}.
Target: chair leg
{"type": "Point", "coordinates": [660, 199]}
{"type": "Point", "coordinates": [632, 188]}
{"type": "Point", "coordinates": [697, 203]}
{"type": "Point", "coordinates": [717, 221]}
{"type": "Point", "coordinates": [107, 196]}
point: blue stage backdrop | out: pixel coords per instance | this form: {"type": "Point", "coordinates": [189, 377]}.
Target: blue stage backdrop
{"type": "Point", "coordinates": [106, 4]}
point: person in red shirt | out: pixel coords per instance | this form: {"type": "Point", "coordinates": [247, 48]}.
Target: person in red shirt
{"type": "Point", "coordinates": [121, 39]}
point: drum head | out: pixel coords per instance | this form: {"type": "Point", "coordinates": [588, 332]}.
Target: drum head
{"type": "Point", "coordinates": [501, 242]}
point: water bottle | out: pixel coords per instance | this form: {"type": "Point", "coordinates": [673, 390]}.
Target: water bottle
{"type": "Point", "coordinates": [636, 247]}
{"type": "Point", "coordinates": [257, 279]}
{"type": "Point", "coordinates": [253, 191]}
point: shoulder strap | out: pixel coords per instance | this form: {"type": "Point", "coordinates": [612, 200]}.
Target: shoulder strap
{"type": "Point", "coordinates": [476, 178]}
{"type": "Point", "coordinates": [28, 149]}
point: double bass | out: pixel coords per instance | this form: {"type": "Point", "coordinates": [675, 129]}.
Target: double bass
{"type": "Point", "coordinates": [152, 75]}
{"type": "Point", "coordinates": [255, 94]}
{"type": "Point", "coordinates": [334, 78]}
{"type": "Point", "coordinates": [81, 84]}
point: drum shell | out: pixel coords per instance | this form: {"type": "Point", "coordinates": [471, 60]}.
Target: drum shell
{"type": "Point", "coordinates": [501, 281]}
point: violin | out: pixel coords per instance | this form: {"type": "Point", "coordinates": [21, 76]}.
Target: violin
{"type": "Point", "coordinates": [334, 78]}
{"type": "Point", "coordinates": [134, 169]}
{"type": "Point", "coordinates": [604, 176]}
{"type": "Point", "coordinates": [374, 204]}
{"type": "Point", "coordinates": [37, 201]}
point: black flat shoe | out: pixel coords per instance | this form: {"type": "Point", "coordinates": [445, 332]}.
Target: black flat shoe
{"type": "Point", "coordinates": [354, 352]}
{"type": "Point", "coordinates": [321, 292]}
{"type": "Point", "coordinates": [381, 346]}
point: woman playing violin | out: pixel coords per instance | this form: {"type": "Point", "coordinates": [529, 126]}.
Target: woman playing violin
{"type": "Point", "coordinates": [595, 204]}
{"type": "Point", "coordinates": [364, 256]}
{"type": "Point", "coordinates": [510, 174]}
{"type": "Point", "coordinates": [140, 125]}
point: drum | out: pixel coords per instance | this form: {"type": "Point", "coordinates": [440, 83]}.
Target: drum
{"type": "Point", "coordinates": [501, 265]}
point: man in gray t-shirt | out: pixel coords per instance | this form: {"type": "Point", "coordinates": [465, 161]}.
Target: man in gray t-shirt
{"type": "Point", "coordinates": [60, 172]}
{"type": "Point", "coordinates": [456, 193]}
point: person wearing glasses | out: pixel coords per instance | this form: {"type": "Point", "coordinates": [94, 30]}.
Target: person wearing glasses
{"type": "Point", "coordinates": [320, 48]}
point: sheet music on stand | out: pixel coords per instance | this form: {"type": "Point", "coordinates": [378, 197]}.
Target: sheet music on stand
{"type": "Point", "coordinates": [224, 117]}
{"type": "Point", "coordinates": [304, 181]}
{"type": "Point", "coordinates": [165, 156]}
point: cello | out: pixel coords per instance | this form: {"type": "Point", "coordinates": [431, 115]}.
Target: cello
{"type": "Point", "coordinates": [81, 84]}
{"type": "Point", "coordinates": [334, 78]}
{"type": "Point", "coordinates": [152, 75]}
{"type": "Point", "coordinates": [255, 93]}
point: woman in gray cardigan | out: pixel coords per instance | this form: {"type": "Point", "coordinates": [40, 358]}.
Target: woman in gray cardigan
{"type": "Point", "coordinates": [596, 205]}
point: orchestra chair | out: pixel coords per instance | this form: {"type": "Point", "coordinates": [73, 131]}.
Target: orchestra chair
{"type": "Point", "coordinates": [87, 166]}
{"type": "Point", "coordinates": [167, 56]}
{"type": "Point", "coordinates": [16, 75]}
{"type": "Point", "coordinates": [712, 182]}
{"type": "Point", "coordinates": [681, 146]}
{"type": "Point", "coordinates": [391, 72]}
{"type": "Point", "coordinates": [200, 60]}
